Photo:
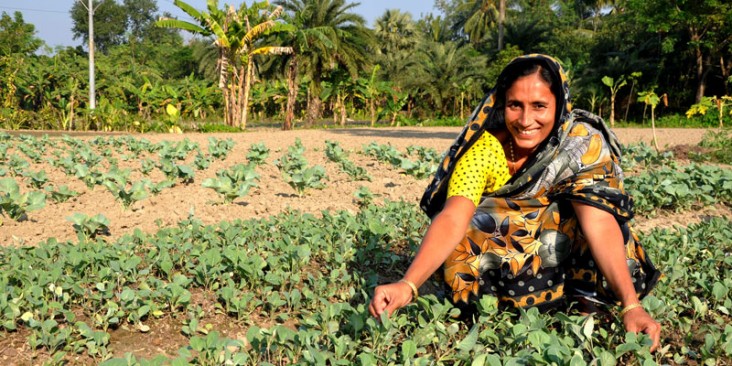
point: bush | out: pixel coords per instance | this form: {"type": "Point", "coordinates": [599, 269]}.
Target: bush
{"type": "Point", "coordinates": [720, 143]}
{"type": "Point", "coordinates": [217, 127]}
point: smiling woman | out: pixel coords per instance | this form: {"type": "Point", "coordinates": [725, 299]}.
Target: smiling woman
{"type": "Point", "coordinates": [556, 235]}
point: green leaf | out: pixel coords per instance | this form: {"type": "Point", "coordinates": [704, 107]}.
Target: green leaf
{"type": "Point", "coordinates": [469, 342]}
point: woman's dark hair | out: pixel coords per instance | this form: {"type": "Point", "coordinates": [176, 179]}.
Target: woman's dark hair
{"type": "Point", "coordinates": [520, 69]}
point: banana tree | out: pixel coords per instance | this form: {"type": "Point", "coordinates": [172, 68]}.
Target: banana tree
{"type": "Point", "coordinates": [650, 98]}
{"type": "Point", "coordinates": [614, 88]}
{"type": "Point", "coordinates": [237, 36]}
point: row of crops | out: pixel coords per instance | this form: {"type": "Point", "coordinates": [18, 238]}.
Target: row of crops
{"type": "Point", "coordinates": [312, 277]}
{"type": "Point", "coordinates": [132, 170]}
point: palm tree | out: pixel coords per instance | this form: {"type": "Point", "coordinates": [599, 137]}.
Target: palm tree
{"type": "Point", "coordinates": [397, 38]}
{"type": "Point", "coordinates": [328, 36]}
{"type": "Point", "coordinates": [237, 34]}
{"type": "Point", "coordinates": [443, 68]}
{"type": "Point", "coordinates": [478, 18]}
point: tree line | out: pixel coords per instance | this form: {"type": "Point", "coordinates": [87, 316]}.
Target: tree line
{"type": "Point", "coordinates": [307, 61]}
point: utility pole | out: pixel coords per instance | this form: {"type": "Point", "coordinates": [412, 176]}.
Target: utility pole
{"type": "Point", "coordinates": [92, 88]}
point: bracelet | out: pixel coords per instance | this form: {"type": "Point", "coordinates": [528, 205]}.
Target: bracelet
{"type": "Point", "coordinates": [415, 292]}
{"type": "Point", "coordinates": [629, 308]}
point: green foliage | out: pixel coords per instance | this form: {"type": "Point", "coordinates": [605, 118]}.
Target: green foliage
{"type": "Point", "coordinates": [677, 188]}
{"type": "Point", "coordinates": [364, 196]}
{"type": "Point", "coordinates": [36, 179]}
{"type": "Point", "coordinates": [61, 194]}
{"type": "Point", "coordinates": [258, 154]}
{"type": "Point", "coordinates": [17, 35]}
{"type": "Point", "coordinates": [252, 269]}
{"type": "Point", "coordinates": [233, 183]}
{"type": "Point", "coordinates": [424, 167]}
{"type": "Point", "coordinates": [641, 156]}
{"type": "Point", "coordinates": [217, 128]}
{"type": "Point", "coordinates": [87, 227]}
{"type": "Point", "coordinates": [16, 205]}
{"type": "Point", "coordinates": [336, 154]}
{"type": "Point", "coordinates": [220, 149]}
{"type": "Point", "coordinates": [720, 145]}
{"type": "Point", "coordinates": [295, 170]}
{"type": "Point", "coordinates": [126, 193]}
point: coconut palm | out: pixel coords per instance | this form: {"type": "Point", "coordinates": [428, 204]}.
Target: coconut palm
{"type": "Point", "coordinates": [397, 38]}
{"type": "Point", "coordinates": [443, 68]}
{"type": "Point", "coordinates": [477, 19]}
{"type": "Point", "coordinates": [237, 35]}
{"type": "Point", "coordinates": [328, 36]}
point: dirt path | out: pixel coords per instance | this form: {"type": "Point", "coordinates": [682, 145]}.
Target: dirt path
{"type": "Point", "coordinates": [273, 195]}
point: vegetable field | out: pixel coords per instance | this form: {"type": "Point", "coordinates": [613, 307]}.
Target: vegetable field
{"type": "Point", "coordinates": [263, 248]}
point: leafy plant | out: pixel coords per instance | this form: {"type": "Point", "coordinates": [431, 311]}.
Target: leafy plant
{"type": "Point", "coordinates": [87, 227]}
{"type": "Point", "coordinates": [16, 204]}
{"type": "Point", "coordinates": [420, 169]}
{"type": "Point", "coordinates": [220, 149]}
{"type": "Point", "coordinates": [202, 162]}
{"type": "Point", "coordinates": [364, 196]}
{"type": "Point", "coordinates": [37, 179]}
{"type": "Point", "coordinates": [233, 183]}
{"type": "Point", "coordinates": [336, 154]}
{"type": "Point", "coordinates": [126, 193]}
{"type": "Point", "coordinates": [258, 153]}
{"type": "Point", "coordinates": [61, 194]}
{"type": "Point", "coordinates": [296, 173]}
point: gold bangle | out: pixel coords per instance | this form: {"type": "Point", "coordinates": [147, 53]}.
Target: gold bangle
{"type": "Point", "coordinates": [415, 292]}
{"type": "Point", "coordinates": [629, 308]}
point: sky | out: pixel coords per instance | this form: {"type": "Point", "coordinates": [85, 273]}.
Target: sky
{"type": "Point", "coordinates": [53, 24]}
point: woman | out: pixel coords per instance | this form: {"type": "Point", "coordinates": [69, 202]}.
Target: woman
{"type": "Point", "coordinates": [556, 233]}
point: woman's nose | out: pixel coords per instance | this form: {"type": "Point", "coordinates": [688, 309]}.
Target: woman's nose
{"type": "Point", "coordinates": [524, 119]}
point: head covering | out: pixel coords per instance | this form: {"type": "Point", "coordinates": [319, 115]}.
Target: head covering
{"type": "Point", "coordinates": [489, 116]}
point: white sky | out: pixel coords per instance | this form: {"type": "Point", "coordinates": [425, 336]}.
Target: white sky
{"type": "Point", "coordinates": [53, 24]}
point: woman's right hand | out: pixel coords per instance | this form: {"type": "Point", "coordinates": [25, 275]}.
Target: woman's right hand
{"type": "Point", "coordinates": [389, 298]}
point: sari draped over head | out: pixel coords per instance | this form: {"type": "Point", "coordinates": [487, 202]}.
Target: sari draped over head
{"type": "Point", "coordinates": [524, 244]}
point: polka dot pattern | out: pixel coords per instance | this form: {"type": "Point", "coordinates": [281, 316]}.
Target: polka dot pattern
{"type": "Point", "coordinates": [482, 169]}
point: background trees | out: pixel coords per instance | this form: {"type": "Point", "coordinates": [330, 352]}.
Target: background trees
{"type": "Point", "coordinates": [236, 37]}
{"type": "Point", "coordinates": [400, 69]}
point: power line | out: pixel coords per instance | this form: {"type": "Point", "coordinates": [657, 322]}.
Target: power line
{"type": "Point", "coordinates": [38, 10]}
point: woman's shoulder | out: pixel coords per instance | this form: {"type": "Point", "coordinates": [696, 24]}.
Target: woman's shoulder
{"type": "Point", "coordinates": [588, 126]}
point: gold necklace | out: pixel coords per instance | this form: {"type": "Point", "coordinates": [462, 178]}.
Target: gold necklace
{"type": "Point", "coordinates": [513, 160]}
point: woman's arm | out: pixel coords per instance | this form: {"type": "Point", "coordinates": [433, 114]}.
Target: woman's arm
{"type": "Point", "coordinates": [444, 234]}
{"type": "Point", "coordinates": [606, 244]}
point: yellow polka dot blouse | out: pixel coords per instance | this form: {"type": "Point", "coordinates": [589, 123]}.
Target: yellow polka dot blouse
{"type": "Point", "coordinates": [482, 169]}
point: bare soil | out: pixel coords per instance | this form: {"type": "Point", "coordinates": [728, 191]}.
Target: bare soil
{"type": "Point", "coordinates": [273, 195]}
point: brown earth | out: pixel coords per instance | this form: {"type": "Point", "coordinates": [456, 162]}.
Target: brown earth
{"type": "Point", "coordinates": [273, 195]}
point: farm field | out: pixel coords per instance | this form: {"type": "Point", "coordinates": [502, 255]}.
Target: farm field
{"type": "Point", "coordinates": [202, 258]}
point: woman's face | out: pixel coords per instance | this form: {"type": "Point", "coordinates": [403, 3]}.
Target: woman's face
{"type": "Point", "coordinates": [530, 111]}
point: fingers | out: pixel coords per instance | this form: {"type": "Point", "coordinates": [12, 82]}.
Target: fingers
{"type": "Point", "coordinates": [653, 330]}
{"type": "Point", "coordinates": [389, 298]}
{"type": "Point", "coordinates": [378, 303]}
{"type": "Point", "coordinates": [640, 321]}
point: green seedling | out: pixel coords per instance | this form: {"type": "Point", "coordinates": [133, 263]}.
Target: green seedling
{"type": "Point", "coordinates": [233, 183]}
{"type": "Point", "coordinates": [61, 194]}
{"type": "Point", "coordinates": [220, 149]}
{"type": "Point", "coordinates": [16, 205]}
{"type": "Point", "coordinates": [258, 154]}
{"type": "Point", "coordinates": [89, 227]}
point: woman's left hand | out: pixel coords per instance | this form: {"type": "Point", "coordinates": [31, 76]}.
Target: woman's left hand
{"type": "Point", "coordinates": [638, 320]}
